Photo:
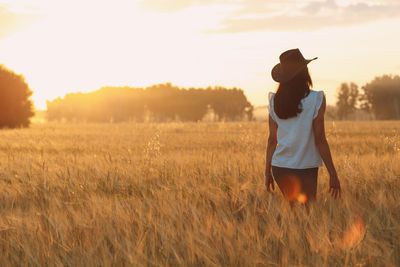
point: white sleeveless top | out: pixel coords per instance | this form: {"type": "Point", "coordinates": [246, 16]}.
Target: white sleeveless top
{"type": "Point", "coordinates": [296, 143]}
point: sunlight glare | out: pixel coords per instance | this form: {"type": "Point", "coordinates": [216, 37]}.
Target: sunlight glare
{"type": "Point", "coordinates": [78, 48]}
{"type": "Point", "coordinates": [291, 187]}
{"type": "Point", "coordinates": [302, 198]}
{"type": "Point", "coordinates": [354, 234]}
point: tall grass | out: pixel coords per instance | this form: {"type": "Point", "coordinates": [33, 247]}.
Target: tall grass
{"type": "Point", "coordinates": [191, 194]}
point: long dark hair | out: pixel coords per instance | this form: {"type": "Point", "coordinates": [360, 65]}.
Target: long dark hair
{"type": "Point", "coordinates": [289, 94]}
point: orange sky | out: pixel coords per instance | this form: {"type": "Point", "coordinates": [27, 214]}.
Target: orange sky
{"type": "Point", "coordinates": [67, 46]}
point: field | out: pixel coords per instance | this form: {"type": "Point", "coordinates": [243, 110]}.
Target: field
{"type": "Point", "coordinates": [191, 195]}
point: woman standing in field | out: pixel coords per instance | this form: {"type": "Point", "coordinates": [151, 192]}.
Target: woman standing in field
{"type": "Point", "coordinates": [297, 139]}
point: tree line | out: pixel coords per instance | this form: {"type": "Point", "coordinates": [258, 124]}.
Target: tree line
{"type": "Point", "coordinates": [379, 98]}
{"type": "Point", "coordinates": [157, 103]}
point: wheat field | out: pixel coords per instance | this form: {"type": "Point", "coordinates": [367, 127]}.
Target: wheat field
{"type": "Point", "coordinates": [191, 195]}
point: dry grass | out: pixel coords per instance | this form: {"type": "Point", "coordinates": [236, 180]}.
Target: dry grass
{"type": "Point", "coordinates": [191, 194]}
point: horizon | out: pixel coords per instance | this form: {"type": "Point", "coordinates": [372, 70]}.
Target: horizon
{"type": "Point", "coordinates": [63, 48]}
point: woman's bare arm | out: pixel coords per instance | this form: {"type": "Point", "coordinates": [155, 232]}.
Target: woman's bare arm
{"type": "Point", "coordinates": [323, 148]}
{"type": "Point", "coordinates": [272, 142]}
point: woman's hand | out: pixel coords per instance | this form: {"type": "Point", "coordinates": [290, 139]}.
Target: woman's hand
{"type": "Point", "coordinates": [269, 181]}
{"type": "Point", "coordinates": [334, 185]}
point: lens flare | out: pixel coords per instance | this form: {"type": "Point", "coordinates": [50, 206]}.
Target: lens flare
{"type": "Point", "coordinates": [302, 198]}
{"type": "Point", "coordinates": [354, 234]}
{"type": "Point", "coordinates": [290, 187]}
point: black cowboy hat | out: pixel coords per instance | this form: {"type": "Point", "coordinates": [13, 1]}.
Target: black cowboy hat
{"type": "Point", "coordinates": [291, 63]}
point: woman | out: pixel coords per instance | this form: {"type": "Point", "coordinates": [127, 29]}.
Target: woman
{"type": "Point", "coordinates": [297, 139]}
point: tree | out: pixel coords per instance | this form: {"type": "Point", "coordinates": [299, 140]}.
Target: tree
{"type": "Point", "coordinates": [16, 108]}
{"type": "Point", "coordinates": [382, 97]}
{"type": "Point", "coordinates": [249, 111]}
{"type": "Point", "coordinates": [160, 101]}
{"type": "Point", "coordinates": [191, 104]}
{"type": "Point", "coordinates": [347, 99]}
{"type": "Point", "coordinates": [331, 112]}
{"type": "Point", "coordinates": [229, 104]}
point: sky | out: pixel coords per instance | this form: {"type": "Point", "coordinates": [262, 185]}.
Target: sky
{"type": "Point", "coordinates": [82, 45]}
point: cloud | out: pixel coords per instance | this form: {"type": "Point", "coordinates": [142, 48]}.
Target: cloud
{"type": "Point", "coordinates": [166, 6]}
{"type": "Point", "coordinates": [177, 5]}
{"type": "Point", "coordinates": [255, 15]}
{"type": "Point", "coordinates": [286, 15]}
{"type": "Point", "coordinates": [11, 22]}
